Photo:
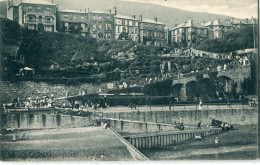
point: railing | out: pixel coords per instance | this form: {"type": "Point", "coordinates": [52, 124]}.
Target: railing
{"type": "Point", "coordinates": [137, 155]}
{"type": "Point", "coordinates": [36, 21]}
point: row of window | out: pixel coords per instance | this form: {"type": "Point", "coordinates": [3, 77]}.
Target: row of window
{"type": "Point", "coordinates": [100, 18]}
{"type": "Point", "coordinates": [38, 8]}
{"type": "Point", "coordinates": [154, 34]}
{"type": "Point", "coordinates": [127, 22]}
{"type": "Point", "coordinates": [131, 30]}
{"type": "Point", "coordinates": [74, 17]}
{"type": "Point", "coordinates": [102, 35]}
{"type": "Point", "coordinates": [107, 26]}
{"type": "Point", "coordinates": [152, 26]}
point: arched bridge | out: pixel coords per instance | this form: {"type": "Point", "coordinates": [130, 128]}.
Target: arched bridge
{"type": "Point", "coordinates": [235, 75]}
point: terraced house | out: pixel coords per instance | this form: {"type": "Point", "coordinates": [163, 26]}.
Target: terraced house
{"type": "Point", "coordinates": [74, 22]}
{"type": "Point", "coordinates": [218, 29]}
{"type": "Point", "coordinates": [151, 32]}
{"type": "Point", "coordinates": [188, 33]}
{"type": "Point", "coordinates": [35, 15]}
{"type": "Point", "coordinates": [102, 25]}
{"type": "Point", "coordinates": [126, 28]}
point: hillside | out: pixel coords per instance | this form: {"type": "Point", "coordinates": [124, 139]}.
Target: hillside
{"type": "Point", "coordinates": [169, 16]}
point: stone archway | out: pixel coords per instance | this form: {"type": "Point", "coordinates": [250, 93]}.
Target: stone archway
{"type": "Point", "coordinates": [191, 90]}
{"type": "Point", "coordinates": [177, 91]}
{"type": "Point", "coordinates": [224, 83]}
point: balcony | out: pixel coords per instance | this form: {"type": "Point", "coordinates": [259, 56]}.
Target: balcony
{"type": "Point", "coordinates": [36, 21]}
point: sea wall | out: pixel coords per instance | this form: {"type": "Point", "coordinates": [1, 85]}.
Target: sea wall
{"type": "Point", "coordinates": [190, 117]}
{"type": "Point", "coordinates": [40, 120]}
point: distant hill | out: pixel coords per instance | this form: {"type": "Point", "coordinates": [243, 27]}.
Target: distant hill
{"type": "Point", "coordinates": [167, 15]}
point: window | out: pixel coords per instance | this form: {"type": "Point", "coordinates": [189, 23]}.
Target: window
{"type": "Point", "coordinates": [30, 8]}
{"type": "Point", "coordinates": [123, 22]}
{"type": "Point", "coordinates": [74, 17]}
{"type": "Point", "coordinates": [65, 16]}
{"type": "Point", "coordinates": [48, 9]}
{"type": "Point", "coordinates": [124, 29]}
{"type": "Point", "coordinates": [108, 18]}
{"type": "Point", "coordinates": [39, 8]}
{"type": "Point", "coordinates": [136, 31]}
{"type": "Point", "coordinates": [134, 23]}
{"type": "Point", "coordinates": [95, 18]}
{"type": "Point", "coordinates": [82, 17]}
{"type": "Point", "coordinates": [100, 18]}
{"type": "Point", "coordinates": [100, 27]}
{"type": "Point", "coordinates": [118, 29]}
{"type": "Point", "coordinates": [108, 26]}
{"type": "Point", "coordinates": [118, 21]}
{"type": "Point", "coordinates": [94, 27]}
{"type": "Point", "coordinates": [66, 26]}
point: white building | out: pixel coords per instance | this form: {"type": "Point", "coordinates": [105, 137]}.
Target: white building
{"type": "Point", "coordinates": [126, 28]}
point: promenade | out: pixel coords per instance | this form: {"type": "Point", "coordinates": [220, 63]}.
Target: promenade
{"type": "Point", "coordinates": [173, 108]}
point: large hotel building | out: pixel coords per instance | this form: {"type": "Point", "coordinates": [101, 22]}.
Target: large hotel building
{"type": "Point", "coordinates": [43, 15]}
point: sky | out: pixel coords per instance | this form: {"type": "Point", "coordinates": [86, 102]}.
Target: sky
{"type": "Point", "coordinates": [234, 8]}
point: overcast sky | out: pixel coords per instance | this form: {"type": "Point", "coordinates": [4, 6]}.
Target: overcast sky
{"type": "Point", "coordinates": [234, 8]}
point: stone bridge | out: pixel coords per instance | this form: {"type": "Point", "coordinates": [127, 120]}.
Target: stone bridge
{"type": "Point", "coordinates": [231, 76]}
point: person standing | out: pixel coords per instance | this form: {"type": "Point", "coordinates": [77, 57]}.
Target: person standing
{"type": "Point", "coordinates": [200, 104]}
{"type": "Point", "coordinates": [199, 125]}
{"type": "Point", "coordinates": [216, 140]}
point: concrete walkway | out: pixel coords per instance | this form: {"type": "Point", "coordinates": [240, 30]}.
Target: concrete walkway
{"type": "Point", "coordinates": [173, 108]}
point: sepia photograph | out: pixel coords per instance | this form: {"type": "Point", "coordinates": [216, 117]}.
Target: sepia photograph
{"type": "Point", "coordinates": [128, 80]}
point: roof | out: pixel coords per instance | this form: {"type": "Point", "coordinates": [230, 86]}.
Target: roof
{"type": "Point", "coordinates": [124, 17]}
{"type": "Point", "coordinates": [189, 23]}
{"type": "Point", "coordinates": [71, 11]}
{"type": "Point", "coordinates": [38, 2]}
{"type": "Point", "coordinates": [208, 23]}
{"type": "Point", "coordinates": [152, 21]}
{"type": "Point", "coordinates": [100, 12]}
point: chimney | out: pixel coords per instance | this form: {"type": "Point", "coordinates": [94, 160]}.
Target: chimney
{"type": "Point", "coordinates": [155, 19]}
{"type": "Point", "coordinates": [88, 10]}
{"type": "Point", "coordinates": [133, 16]}
{"type": "Point", "coordinates": [175, 25]}
{"type": "Point", "coordinates": [226, 21]}
{"type": "Point", "coordinates": [232, 20]}
{"type": "Point", "coordinates": [85, 10]}
{"type": "Point", "coordinates": [52, 1]}
{"type": "Point", "coordinates": [115, 10]}
{"type": "Point", "coordinates": [246, 20]}
{"type": "Point", "coordinates": [141, 18]}
{"type": "Point", "coordinates": [110, 11]}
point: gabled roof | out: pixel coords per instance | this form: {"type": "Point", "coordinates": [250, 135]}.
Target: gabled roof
{"type": "Point", "coordinates": [38, 2]}
{"type": "Point", "coordinates": [180, 26]}
{"type": "Point", "coordinates": [187, 24]}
